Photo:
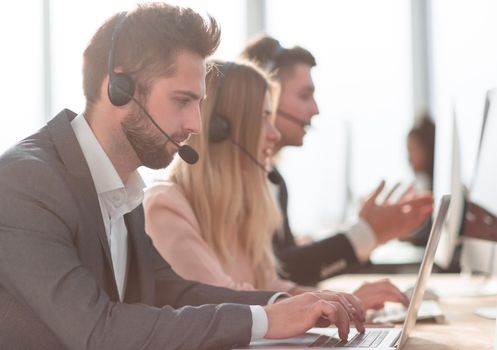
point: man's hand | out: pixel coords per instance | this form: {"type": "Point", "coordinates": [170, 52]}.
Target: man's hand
{"type": "Point", "coordinates": [374, 295]}
{"type": "Point", "coordinates": [293, 316]}
{"type": "Point", "coordinates": [397, 219]}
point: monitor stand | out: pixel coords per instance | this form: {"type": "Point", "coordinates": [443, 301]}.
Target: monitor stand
{"type": "Point", "coordinates": [475, 286]}
{"type": "Point", "coordinates": [487, 287]}
{"type": "Point", "coordinates": [482, 287]}
{"type": "Point", "coordinates": [487, 312]}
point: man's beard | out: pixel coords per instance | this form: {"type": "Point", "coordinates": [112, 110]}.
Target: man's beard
{"type": "Point", "coordinates": [149, 144]}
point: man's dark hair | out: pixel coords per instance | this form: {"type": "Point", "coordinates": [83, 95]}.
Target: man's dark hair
{"type": "Point", "coordinates": [268, 53]}
{"type": "Point", "coordinates": [147, 45]}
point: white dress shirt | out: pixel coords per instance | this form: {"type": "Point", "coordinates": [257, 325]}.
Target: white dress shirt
{"type": "Point", "coordinates": [362, 238]}
{"type": "Point", "coordinates": [117, 199]}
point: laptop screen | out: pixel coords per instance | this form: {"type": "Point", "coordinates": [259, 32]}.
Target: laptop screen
{"type": "Point", "coordinates": [424, 270]}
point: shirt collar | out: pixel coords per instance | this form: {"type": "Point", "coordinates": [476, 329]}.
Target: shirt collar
{"type": "Point", "coordinates": [103, 173]}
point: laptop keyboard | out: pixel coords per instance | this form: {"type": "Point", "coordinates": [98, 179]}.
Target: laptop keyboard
{"type": "Point", "coordinates": [370, 339]}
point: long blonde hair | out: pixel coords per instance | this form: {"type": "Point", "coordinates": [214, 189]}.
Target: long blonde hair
{"type": "Point", "coordinates": [228, 192]}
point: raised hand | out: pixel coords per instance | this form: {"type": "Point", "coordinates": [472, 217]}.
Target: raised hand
{"type": "Point", "coordinates": [396, 219]}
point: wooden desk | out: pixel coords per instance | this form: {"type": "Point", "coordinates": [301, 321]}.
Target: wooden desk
{"type": "Point", "coordinates": [462, 329]}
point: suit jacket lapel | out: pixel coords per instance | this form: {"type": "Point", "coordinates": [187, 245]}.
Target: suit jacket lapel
{"type": "Point", "coordinates": [81, 182]}
{"type": "Point", "coordinates": [284, 235]}
{"type": "Point", "coordinates": [139, 280]}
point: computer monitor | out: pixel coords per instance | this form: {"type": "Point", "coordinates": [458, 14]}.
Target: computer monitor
{"type": "Point", "coordinates": [450, 237]}
{"type": "Point", "coordinates": [480, 221]}
{"type": "Point", "coordinates": [471, 211]}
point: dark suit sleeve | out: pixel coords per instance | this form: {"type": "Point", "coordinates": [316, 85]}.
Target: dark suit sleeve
{"type": "Point", "coordinates": [42, 272]}
{"type": "Point", "coordinates": [311, 263]}
{"type": "Point", "coordinates": [314, 262]}
{"type": "Point", "coordinates": [171, 289]}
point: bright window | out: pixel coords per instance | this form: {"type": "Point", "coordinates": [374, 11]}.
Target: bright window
{"type": "Point", "coordinates": [21, 60]}
{"type": "Point", "coordinates": [363, 86]}
{"type": "Point", "coordinates": [464, 68]}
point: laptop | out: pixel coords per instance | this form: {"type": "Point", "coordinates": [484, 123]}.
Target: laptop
{"type": "Point", "coordinates": [373, 338]}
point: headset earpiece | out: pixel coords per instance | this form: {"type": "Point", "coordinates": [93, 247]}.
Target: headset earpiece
{"type": "Point", "coordinates": [219, 129]}
{"type": "Point", "coordinates": [120, 89]}
{"type": "Point", "coordinates": [219, 126]}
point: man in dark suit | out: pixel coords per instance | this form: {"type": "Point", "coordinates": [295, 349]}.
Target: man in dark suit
{"type": "Point", "coordinates": [379, 222]}
{"type": "Point", "coordinates": [77, 270]}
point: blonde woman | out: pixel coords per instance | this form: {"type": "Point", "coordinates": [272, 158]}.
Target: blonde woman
{"type": "Point", "coordinates": [213, 221]}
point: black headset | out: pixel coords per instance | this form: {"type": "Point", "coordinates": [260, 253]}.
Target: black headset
{"type": "Point", "coordinates": [269, 67]}
{"type": "Point", "coordinates": [220, 126]}
{"type": "Point", "coordinates": [121, 87]}
{"type": "Point", "coordinates": [273, 57]}
{"type": "Point", "coordinates": [121, 90]}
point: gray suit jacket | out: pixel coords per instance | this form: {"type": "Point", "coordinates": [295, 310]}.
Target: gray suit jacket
{"type": "Point", "coordinates": [57, 287]}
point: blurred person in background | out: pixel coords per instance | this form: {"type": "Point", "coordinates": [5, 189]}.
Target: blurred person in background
{"type": "Point", "coordinates": [421, 155]}
{"type": "Point", "coordinates": [378, 221]}
{"type": "Point", "coordinates": [421, 152]}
